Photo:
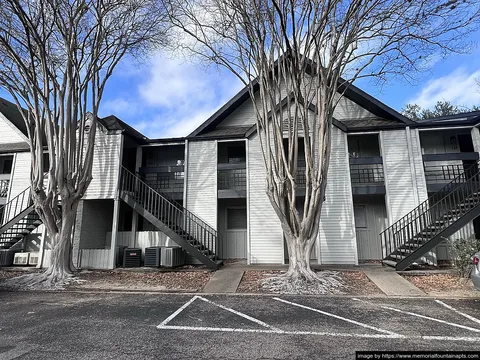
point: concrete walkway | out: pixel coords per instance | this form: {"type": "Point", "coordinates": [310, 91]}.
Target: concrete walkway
{"type": "Point", "coordinates": [227, 278]}
{"type": "Point", "coordinates": [224, 281]}
{"type": "Point", "coordinates": [391, 283]}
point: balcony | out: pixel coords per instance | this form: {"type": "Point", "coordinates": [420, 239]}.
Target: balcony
{"type": "Point", "coordinates": [440, 169]}
{"type": "Point", "coordinates": [366, 174]}
{"type": "Point", "coordinates": [168, 180]}
{"type": "Point", "coordinates": [232, 180]}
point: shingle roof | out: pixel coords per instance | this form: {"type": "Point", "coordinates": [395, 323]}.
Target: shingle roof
{"type": "Point", "coordinates": [14, 147]}
{"type": "Point", "coordinates": [371, 123]}
{"type": "Point", "coordinates": [466, 117]}
{"type": "Point", "coordinates": [226, 132]}
{"type": "Point", "coordinates": [113, 123]}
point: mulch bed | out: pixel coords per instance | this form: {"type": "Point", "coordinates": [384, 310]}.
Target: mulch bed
{"type": "Point", "coordinates": [8, 274]}
{"type": "Point", "coordinates": [443, 285]}
{"type": "Point", "coordinates": [115, 280]}
{"type": "Point", "coordinates": [357, 283]}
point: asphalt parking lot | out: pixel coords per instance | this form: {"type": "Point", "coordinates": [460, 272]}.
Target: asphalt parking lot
{"type": "Point", "coordinates": [173, 326]}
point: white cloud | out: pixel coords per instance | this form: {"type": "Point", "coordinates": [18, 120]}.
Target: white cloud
{"type": "Point", "coordinates": [174, 98]}
{"type": "Point", "coordinates": [459, 87]}
{"type": "Point", "coordinates": [119, 107]}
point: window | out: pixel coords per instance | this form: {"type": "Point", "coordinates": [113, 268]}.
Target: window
{"type": "Point", "coordinates": [236, 155]}
{"type": "Point", "coordinates": [360, 216]}
{"type": "Point", "coordinates": [236, 218]}
{"type": "Point", "coordinates": [7, 166]}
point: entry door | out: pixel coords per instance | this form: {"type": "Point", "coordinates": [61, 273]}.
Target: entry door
{"type": "Point", "coordinates": [235, 242]}
{"type": "Point", "coordinates": [369, 222]}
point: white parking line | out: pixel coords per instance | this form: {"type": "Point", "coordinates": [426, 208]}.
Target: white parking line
{"type": "Point", "coordinates": [184, 306]}
{"type": "Point", "coordinates": [239, 314]}
{"type": "Point", "coordinates": [459, 312]}
{"type": "Point", "coordinates": [318, 333]}
{"type": "Point", "coordinates": [339, 317]}
{"type": "Point", "coordinates": [385, 334]}
{"type": "Point", "coordinates": [422, 316]}
{"type": "Point", "coordinates": [179, 310]}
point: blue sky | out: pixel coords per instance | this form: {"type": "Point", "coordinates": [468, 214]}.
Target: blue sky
{"type": "Point", "coordinates": [166, 96]}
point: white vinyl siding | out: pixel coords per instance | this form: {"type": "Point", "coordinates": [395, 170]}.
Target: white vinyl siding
{"type": "Point", "coordinates": [21, 174]}
{"type": "Point", "coordinates": [421, 183]}
{"type": "Point", "coordinates": [266, 235]}
{"type": "Point", "coordinates": [337, 230]}
{"type": "Point", "coordinates": [202, 180]}
{"type": "Point", "coordinates": [349, 110]}
{"type": "Point", "coordinates": [106, 163]}
{"type": "Point", "coordinates": [476, 139]}
{"type": "Point", "coordinates": [9, 134]}
{"type": "Point", "coordinates": [244, 115]}
{"type": "Point", "coordinates": [398, 174]}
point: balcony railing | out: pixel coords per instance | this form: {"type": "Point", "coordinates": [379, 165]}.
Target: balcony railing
{"type": "Point", "coordinates": [232, 176]}
{"type": "Point", "coordinates": [443, 168]}
{"type": "Point", "coordinates": [165, 179]}
{"type": "Point", "coordinates": [4, 185]}
{"type": "Point", "coordinates": [367, 171]}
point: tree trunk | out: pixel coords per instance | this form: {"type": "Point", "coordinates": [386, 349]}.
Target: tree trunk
{"type": "Point", "coordinates": [61, 266]}
{"type": "Point", "coordinates": [299, 249]}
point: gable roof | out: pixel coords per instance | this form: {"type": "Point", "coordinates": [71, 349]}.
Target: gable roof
{"type": "Point", "coordinates": [351, 92]}
{"type": "Point", "coordinates": [10, 111]}
{"type": "Point", "coordinates": [113, 123]}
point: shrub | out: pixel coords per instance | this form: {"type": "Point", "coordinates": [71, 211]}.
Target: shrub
{"type": "Point", "coordinates": [463, 250]}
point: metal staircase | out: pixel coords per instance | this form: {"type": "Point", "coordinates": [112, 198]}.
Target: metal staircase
{"type": "Point", "coordinates": [19, 219]}
{"type": "Point", "coordinates": [182, 226]}
{"type": "Point", "coordinates": [438, 217]}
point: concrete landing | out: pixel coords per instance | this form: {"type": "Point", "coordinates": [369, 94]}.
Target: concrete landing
{"type": "Point", "coordinates": [392, 284]}
{"type": "Point", "coordinates": [224, 281]}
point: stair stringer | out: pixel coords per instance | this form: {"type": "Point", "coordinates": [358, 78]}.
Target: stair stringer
{"type": "Point", "coordinates": [438, 238]}
{"type": "Point", "coordinates": [168, 231]}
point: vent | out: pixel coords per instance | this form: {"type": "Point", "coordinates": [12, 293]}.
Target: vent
{"type": "Point", "coordinates": [288, 125]}
{"type": "Point", "coordinates": [152, 256]}
{"type": "Point", "coordinates": [172, 256]}
{"type": "Point", "coordinates": [132, 257]}
{"type": "Point", "coordinates": [21, 259]}
{"type": "Point", "coordinates": [33, 259]}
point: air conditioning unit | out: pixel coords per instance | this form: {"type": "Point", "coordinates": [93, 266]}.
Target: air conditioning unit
{"type": "Point", "coordinates": [132, 257]}
{"type": "Point", "coordinates": [172, 256]}
{"type": "Point", "coordinates": [21, 258]}
{"type": "Point", "coordinates": [6, 257]}
{"type": "Point", "coordinates": [152, 256]}
{"type": "Point", "coordinates": [33, 259]}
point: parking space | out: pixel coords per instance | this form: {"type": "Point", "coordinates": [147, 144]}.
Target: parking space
{"type": "Point", "coordinates": [428, 320]}
{"type": "Point", "coordinates": [179, 326]}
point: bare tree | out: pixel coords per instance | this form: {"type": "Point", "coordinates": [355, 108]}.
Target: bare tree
{"type": "Point", "coordinates": [442, 108]}
{"type": "Point", "coordinates": [56, 57]}
{"type": "Point", "coordinates": [300, 56]}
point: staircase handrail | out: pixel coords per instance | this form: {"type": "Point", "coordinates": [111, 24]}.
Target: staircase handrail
{"type": "Point", "coordinates": [176, 205]}
{"type": "Point", "coordinates": [425, 207]}
{"type": "Point", "coordinates": [442, 190]}
{"type": "Point", "coordinates": [7, 216]}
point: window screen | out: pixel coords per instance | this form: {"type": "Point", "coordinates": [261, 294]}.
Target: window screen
{"type": "Point", "coordinates": [360, 216]}
{"type": "Point", "coordinates": [237, 218]}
